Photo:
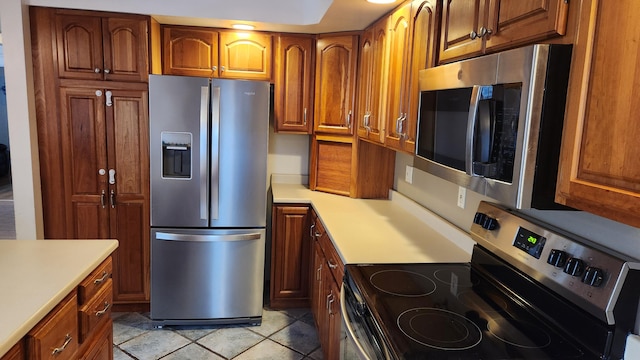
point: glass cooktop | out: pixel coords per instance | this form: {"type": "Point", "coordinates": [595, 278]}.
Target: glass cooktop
{"type": "Point", "coordinates": [448, 311]}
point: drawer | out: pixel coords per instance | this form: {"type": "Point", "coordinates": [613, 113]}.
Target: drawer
{"type": "Point", "coordinates": [333, 259]}
{"type": "Point", "coordinates": [95, 281]}
{"type": "Point", "coordinates": [56, 336]}
{"type": "Point", "coordinates": [96, 311]}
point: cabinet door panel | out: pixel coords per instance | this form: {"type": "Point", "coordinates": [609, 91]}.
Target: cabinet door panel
{"type": "Point", "coordinates": [516, 22]}
{"type": "Point", "coordinates": [290, 257]}
{"type": "Point", "coordinates": [293, 103]}
{"type": "Point", "coordinates": [600, 160]}
{"type": "Point", "coordinates": [126, 49]}
{"type": "Point", "coordinates": [83, 135]}
{"type": "Point", "coordinates": [245, 55]}
{"type": "Point", "coordinates": [398, 70]}
{"type": "Point", "coordinates": [365, 77]}
{"type": "Point", "coordinates": [79, 43]}
{"type": "Point", "coordinates": [459, 19]}
{"type": "Point", "coordinates": [335, 81]}
{"type": "Point", "coordinates": [190, 52]}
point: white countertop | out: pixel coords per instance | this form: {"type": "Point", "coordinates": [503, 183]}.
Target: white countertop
{"type": "Point", "coordinates": [35, 275]}
{"type": "Point", "coordinates": [381, 231]}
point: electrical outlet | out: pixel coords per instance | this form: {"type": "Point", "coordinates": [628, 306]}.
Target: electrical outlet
{"type": "Point", "coordinates": [462, 196]}
{"type": "Point", "coordinates": [408, 175]}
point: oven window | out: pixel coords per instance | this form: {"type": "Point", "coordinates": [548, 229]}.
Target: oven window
{"type": "Point", "coordinates": [442, 133]}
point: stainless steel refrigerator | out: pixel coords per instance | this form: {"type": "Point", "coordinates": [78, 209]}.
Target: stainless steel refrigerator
{"type": "Point", "coordinates": [208, 145]}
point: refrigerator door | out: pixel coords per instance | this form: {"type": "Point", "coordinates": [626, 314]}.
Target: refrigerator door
{"type": "Point", "coordinates": [239, 147]}
{"type": "Point", "coordinates": [178, 121]}
{"type": "Point", "coordinates": [206, 276]}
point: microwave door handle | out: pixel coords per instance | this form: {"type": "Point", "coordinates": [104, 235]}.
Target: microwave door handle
{"type": "Point", "coordinates": [485, 133]}
{"type": "Point", "coordinates": [471, 129]}
{"type": "Point", "coordinates": [204, 153]}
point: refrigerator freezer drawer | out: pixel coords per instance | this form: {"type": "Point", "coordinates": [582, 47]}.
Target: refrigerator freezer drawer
{"type": "Point", "coordinates": [207, 276]}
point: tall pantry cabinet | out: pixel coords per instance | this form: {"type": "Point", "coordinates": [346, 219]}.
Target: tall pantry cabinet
{"type": "Point", "coordinates": [90, 76]}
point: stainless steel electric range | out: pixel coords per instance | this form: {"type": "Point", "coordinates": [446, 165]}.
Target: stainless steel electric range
{"type": "Point", "coordinates": [530, 292]}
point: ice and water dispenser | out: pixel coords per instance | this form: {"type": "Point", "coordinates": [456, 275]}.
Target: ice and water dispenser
{"type": "Point", "coordinates": [176, 155]}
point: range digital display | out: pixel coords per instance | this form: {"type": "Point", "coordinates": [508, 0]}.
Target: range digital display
{"type": "Point", "coordinates": [529, 242]}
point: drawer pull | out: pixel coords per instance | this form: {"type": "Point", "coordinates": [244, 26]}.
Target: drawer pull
{"type": "Point", "coordinates": [67, 340]}
{"type": "Point", "coordinates": [103, 311]}
{"type": "Point", "coordinates": [104, 277]}
{"type": "Point", "coordinates": [332, 264]}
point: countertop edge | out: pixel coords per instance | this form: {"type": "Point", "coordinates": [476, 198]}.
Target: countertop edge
{"type": "Point", "coordinates": [7, 343]}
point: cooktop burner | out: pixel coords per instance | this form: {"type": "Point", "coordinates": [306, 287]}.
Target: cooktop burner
{"type": "Point", "coordinates": [402, 283]}
{"type": "Point", "coordinates": [439, 329]}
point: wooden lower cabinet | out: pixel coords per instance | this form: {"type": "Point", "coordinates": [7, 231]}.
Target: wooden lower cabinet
{"type": "Point", "coordinates": [325, 290]}
{"type": "Point", "coordinates": [17, 352]}
{"type": "Point", "coordinates": [290, 256]}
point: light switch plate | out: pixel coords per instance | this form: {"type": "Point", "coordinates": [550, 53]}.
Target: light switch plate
{"type": "Point", "coordinates": [462, 196]}
{"type": "Point", "coordinates": [408, 175]}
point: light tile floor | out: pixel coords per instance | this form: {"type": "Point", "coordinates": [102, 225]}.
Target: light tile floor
{"type": "Point", "coordinates": [286, 334]}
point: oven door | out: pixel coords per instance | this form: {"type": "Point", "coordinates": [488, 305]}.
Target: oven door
{"type": "Point", "coordinates": [360, 342]}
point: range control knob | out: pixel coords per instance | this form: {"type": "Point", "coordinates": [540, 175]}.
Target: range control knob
{"type": "Point", "coordinates": [593, 276]}
{"type": "Point", "coordinates": [574, 267]}
{"type": "Point", "coordinates": [557, 258]}
{"type": "Point", "coordinates": [479, 218]}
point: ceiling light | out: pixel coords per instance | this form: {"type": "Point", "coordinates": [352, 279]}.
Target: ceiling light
{"type": "Point", "coordinates": [243, 27]}
{"type": "Point", "coordinates": [381, 1]}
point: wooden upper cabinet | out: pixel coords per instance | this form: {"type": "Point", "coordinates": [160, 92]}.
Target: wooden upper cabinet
{"type": "Point", "coordinates": [600, 159]}
{"type": "Point", "coordinates": [470, 28]}
{"type": "Point", "coordinates": [462, 20]}
{"type": "Point", "coordinates": [372, 82]}
{"type": "Point", "coordinates": [245, 55]}
{"type": "Point", "coordinates": [293, 91]}
{"type": "Point", "coordinates": [102, 48]}
{"type": "Point", "coordinates": [515, 22]}
{"type": "Point", "coordinates": [336, 62]}
{"type": "Point", "coordinates": [189, 51]}
{"type": "Point", "coordinates": [399, 72]}
{"type": "Point", "coordinates": [424, 22]}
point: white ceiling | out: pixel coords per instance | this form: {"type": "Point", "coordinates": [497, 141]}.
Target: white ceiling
{"type": "Point", "coordinates": [303, 16]}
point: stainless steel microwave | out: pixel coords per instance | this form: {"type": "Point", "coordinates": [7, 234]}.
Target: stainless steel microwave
{"type": "Point", "coordinates": [493, 124]}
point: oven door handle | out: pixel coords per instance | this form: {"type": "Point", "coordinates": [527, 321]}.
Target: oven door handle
{"type": "Point", "coordinates": [345, 319]}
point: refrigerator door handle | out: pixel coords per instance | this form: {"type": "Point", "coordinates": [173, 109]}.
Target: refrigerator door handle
{"type": "Point", "coordinates": [207, 238]}
{"type": "Point", "coordinates": [204, 142]}
{"type": "Point", "coordinates": [215, 151]}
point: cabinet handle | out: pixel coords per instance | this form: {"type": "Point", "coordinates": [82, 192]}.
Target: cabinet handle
{"type": "Point", "coordinates": [109, 102]}
{"type": "Point", "coordinates": [107, 71]}
{"type": "Point", "coordinates": [484, 32]}
{"type": "Point", "coordinates": [349, 119]}
{"type": "Point", "coordinates": [58, 350]}
{"type": "Point", "coordinates": [105, 275]}
{"type": "Point", "coordinates": [112, 176]}
{"type": "Point", "coordinates": [103, 201]}
{"type": "Point", "coordinates": [318, 272]}
{"type": "Point", "coordinates": [473, 35]}
{"type": "Point", "coordinates": [330, 300]}
{"type": "Point", "coordinates": [112, 198]}
{"type": "Point", "coordinates": [96, 70]}
{"type": "Point", "coordinates": [304, 117]}
{"type": "Point", "coordinates": [103, 311]}
{"type": "Point", "coordinates": [332, 265]}
{"type": "Point", "coordinates": [222, 69]}
{"type": "Point", "coordinates": [311, 229]}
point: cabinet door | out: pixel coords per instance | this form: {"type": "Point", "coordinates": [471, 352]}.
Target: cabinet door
{"type": "Point", "coordinates": [84, 160]}
{"type": "Point", "coordinates": [399, 67]}
{"type": "Point", "coordinates": [189, 52]}
{"type": "Point", "coordinates": [462, 21]}
{"type": "Point", "coordinates": [600, 159]}
{"type": "Point", "coordinates": [79, 47]}
{"type": "Point", "coordinates": [290, 256]}
{"type": "Point", "coordinates": [126, 49]}
{"type": "Point", "coordinates": [245, 55]}
{"type": "Point", "coordinates": [373, 86]}
{"type": "Point", "coordinates": [317, 276]}
{"type": "Point", "coordinates": [101, 346]}
{"type": "Point", "coordinates": [514, 22]}
{"type": "Point", "coordinates": [17, 352]}
{"type": "Point", "coordinates": [336, 60]}
{"type": "Point", "coordinates": [293, 98]}
{"type": "Point", "coordinates": [128, 149]}
{"type": "Point", "coordinates": [334, 318]}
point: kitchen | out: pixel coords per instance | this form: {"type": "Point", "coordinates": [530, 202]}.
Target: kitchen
{"type": "Point", "coordinates": [443, 201]}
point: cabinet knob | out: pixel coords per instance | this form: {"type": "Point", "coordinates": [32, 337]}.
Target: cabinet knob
{"type": "Point", "coordinates": [484, 32]}
{"type": "Point", "coordinates": [107, 71]}
{"type": "Point", "coordinates": [214, 68]}
{"type": "Point", "coordinates": [473, 35]}
{"type": "Point", "coordinates": [96, 70]}
{"type": "Point", "coordinates": [222, 68]}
